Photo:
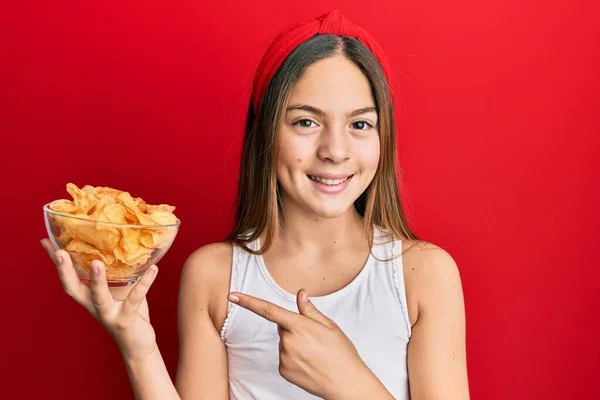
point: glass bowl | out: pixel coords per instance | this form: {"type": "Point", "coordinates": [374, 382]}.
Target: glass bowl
{"type": "Point", "coordinates": [126, 250]}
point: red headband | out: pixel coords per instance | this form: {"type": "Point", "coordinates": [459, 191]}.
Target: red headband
{"type": "Point", "coordinates": [284, 43]}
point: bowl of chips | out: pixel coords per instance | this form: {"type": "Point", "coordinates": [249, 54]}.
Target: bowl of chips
{"type": "Point", "coordinates": [101, 223]}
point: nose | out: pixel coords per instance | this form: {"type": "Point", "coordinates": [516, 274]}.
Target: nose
{"type": "Point", "coordinates": [334, 145]}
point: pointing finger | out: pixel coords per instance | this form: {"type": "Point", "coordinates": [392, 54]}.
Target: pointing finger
{"type": "Point", "coordinates": [265, 309]}
{"type": "Point", "coordinates": [308, 309]}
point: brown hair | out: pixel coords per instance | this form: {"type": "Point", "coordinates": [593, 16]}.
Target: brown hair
{"type": "Point", "coordinates": [258, 202]}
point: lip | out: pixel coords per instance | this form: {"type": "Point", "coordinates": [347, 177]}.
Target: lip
{"type": "Point", "coordinates": [331, 176]}
{"type": "Point", "coordinates": [331, 189]}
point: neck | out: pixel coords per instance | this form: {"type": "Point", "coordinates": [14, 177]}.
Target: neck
{"type": "Point", "coordinates": [308, 231]}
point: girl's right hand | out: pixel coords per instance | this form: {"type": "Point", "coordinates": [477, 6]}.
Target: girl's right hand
{"type": "Point", "coordinates": [123, 311]}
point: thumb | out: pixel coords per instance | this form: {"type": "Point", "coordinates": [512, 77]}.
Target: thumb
{"type": "Point", "coordinates": [308, 309]}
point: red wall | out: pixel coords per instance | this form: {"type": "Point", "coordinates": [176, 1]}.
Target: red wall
{"type": "Point", "coordinates": [499, 144]}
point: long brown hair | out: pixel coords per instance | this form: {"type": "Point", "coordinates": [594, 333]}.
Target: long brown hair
{"type": "Point", "coordinates": [258, 202]}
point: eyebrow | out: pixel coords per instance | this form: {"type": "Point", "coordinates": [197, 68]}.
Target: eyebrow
{"type": "Point", "coordinates": [320, 113]}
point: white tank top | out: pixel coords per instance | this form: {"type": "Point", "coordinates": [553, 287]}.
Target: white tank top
{"type": "Point", "coordinates": [371, 310]}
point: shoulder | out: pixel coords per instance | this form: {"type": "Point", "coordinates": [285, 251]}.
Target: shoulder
{"type": "Point", "coordinates": [428, 260]}
{"type": "Point", "coordinates": [212, 254]}
{"type": "Point", "coordinates": [432, 277]}
{"type": "Point", "coordinates": [204, 281]}
{"type": "Point", "coordinates": [208, 264]}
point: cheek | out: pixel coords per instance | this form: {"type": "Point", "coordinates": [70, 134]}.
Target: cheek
{"type": "Point", "coordinates": [293, 156]}
{"type": "Point", "coordinates": [293, 152]}
{"type": "Point", "coordinates": [368, 155]}
{"type": "Point", "coordinates": [287, 158]}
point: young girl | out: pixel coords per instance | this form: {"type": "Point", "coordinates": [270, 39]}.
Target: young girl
{"type": "Point", "coordinates": [322, 290]}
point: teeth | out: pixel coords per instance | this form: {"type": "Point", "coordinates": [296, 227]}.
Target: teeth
{"type": "Point", "coordinates": [330, 182]}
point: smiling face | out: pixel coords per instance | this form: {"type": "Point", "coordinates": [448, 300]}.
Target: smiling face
{"type": "Point", "coordinates": [329, 140]}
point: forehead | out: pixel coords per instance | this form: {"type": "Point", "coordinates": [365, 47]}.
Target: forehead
{"type": "Point", "coordinates": [334, 84]}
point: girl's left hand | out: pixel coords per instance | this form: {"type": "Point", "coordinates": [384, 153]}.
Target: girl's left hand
{"type": "Point", "coordinates": [314, 353]}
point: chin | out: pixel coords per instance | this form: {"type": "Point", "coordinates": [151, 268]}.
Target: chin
{"type": "Point", "coordinates": [330, 211]}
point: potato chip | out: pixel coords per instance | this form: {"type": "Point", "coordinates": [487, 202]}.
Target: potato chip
{"type": "Point", "coordinates": [154, 238]}
{"type": "Point", "coordinates": [136, 215]}
{"type": "Point", "coordinates": [84, 200]}
{"type": "Point", "coordinates": [64, 206]}
{"type": "Point", "coordinates": [130, 242]}
{"type": "Point", "coordinates": [84, 250]}
{"type": "Point", "coordinates": [104, 239]}
{"type": "Point", "coordinates": [96, 231]}
{"type": "Point", "coordinates": [114, 213]}
{"type": "Point", "coordinates": [147, 239]}
{"type": "Point", "coordinates": [163, 218]}
{"type": "Point", "coordinates": [138, 258]}
{"type": "Point", "coordinates": [161, 207]}
{"type": "Point", "coordinates": [102, 191]}
{"type": "Point", "coordinates": [64, 239]}
{"type": "Point", "coordinates": [103, 202]}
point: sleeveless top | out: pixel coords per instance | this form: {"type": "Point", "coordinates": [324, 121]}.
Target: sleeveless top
{"type": "Point", "coordinates": [371, 310]}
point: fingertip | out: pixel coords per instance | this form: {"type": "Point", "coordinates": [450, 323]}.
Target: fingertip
{"type": "Point", "coordinates": [233, 297]}
{"type": "Point", "coordinates": [59, 256]}
{"type": "Point", "coordinates": [152, 270]}
{"type": "Point", "coordinates": [97, 269]}
{"type": "Point", "coordinates": [303, 295]}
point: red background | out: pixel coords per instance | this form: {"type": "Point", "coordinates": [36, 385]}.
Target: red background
{"type": "Point", "coordinates": [498, 137]}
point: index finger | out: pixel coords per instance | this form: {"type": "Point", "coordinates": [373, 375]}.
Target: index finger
{"type": "Point", "coordinates": [69, 280]}
{"type": "Point", "coordinates": [265, 309]}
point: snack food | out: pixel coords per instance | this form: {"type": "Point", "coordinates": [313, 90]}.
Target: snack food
{"type": "Point", "coordinates": [112, 226]}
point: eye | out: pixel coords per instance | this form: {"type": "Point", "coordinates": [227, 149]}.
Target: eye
{"type": "Point", "coordinates": [361, 125]}
{"type": "Point", "coordinates": [304, 123]}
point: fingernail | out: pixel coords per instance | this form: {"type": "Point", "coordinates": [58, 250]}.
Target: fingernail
{"type": "Point", "coordinates": [95, 270]}
{"type": "Point", "coordinates": [304, 296]}
{"type": "Point", "coordinates": [152, 270]}
{"type": "Point", "coordinates": [59, 260]}
{"type": "Point", "coordinates": [233, 298]}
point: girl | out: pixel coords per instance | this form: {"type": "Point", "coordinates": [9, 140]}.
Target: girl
{"type": "Point", "coordinates": [322, 290]}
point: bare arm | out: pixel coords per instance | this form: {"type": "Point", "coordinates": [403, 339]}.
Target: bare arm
{"type": "Point", "coordinates": [149, 377]}
{"type": "Point", "coordinates": [437, 352]}
{"type": "Point", "coordinates": [124, 313]}
{"type": "Point", "coordinates": [202, 367]}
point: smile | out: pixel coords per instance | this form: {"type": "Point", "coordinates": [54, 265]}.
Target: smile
{"type": "Point", "coordinates": [329, 181]}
